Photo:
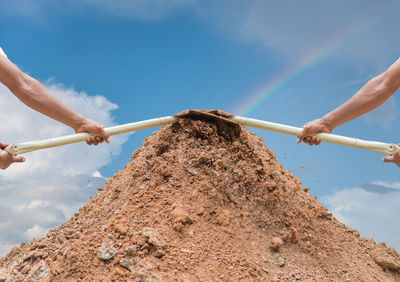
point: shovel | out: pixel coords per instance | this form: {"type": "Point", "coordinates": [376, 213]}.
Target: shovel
{"type": "Point", "coordinates": [213, 115]}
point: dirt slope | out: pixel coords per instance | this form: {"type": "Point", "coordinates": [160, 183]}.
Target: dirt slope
{"type": "Point", "coordinates": [202, 201]}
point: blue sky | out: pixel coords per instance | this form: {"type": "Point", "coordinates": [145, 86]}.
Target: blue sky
{"type": "Point", "coordinates": [124, 61]}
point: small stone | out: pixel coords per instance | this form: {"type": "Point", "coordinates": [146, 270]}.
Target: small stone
{"type": "Point", "coordinates": [131, 250]}
{"type": "Point", "coordinates": [192, 171]}
{"type": "Point", "coordinates": [178, 227]}
{"type": "Point", "coordinates": [153, 237]}
{"type": "Point", "coordinates": [61, 238]}
{"type": "Point", "coordinates": [392, 251]}
{"type": "Point", "coordinates": [40, 272]}
{"type": "Point", "coordinates": [238, 171]}
{"type": "Point", "coordinates": [387, 263]}
{"type": "Point", "coordinates": [24, 245]}
{"type": "Point", "coordinates": [278, 260]}
{"type": "Point", "coordinates": [180, 218]}
{"type": "Point", "coordinates": [276, 244]}
{"type": "Point", "coordinates": [106, 252]}
{"type": "Point", "coordinates": [127, 263]}
{"type": "Point", "coordinates": [281, 261]}
{"type": "Point", "coordinates": [141, 242]}
{"type": "Point", "coordinates": [159, 254]}
{"type": "Point", "coordinates": [121, 229]}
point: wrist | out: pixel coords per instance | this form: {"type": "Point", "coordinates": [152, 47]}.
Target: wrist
{"type": "Point", "coordinates": [79, 122]}
{"type": "Point", "coordinates": [327, 123]}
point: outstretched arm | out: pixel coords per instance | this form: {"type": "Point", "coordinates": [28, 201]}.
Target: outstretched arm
{"type": "Point", "coordinates": [374, 93]}
{"type": "Point", "coordinates": [32, 93]}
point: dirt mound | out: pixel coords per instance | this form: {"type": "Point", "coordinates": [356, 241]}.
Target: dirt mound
{"type": "Point", "coordinates": [200, 202]}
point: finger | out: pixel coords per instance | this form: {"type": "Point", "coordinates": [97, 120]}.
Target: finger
{"type": "Point", "coordinates": [315, 140]}
{"type": "Point", "coordinates": [104, 134]}
{"type": "Point", "coordinates": [388, 159]}
{"type": "Point", "coordinates": [94, 142]}
{"type": "Point", "coordinates": [307, 139]}
{"type": "Point", "coordinates": [90, 140]}
{"type": "Point", "coordinates": [3, 145]}
{"type": "Point", "coordinates": [99, 139]}
{"type": "Point", "coordinates": [17, 159]}
{"type": "Point", "coordinates": [301, 136]}
{"type": "Point", "coordinates": [311, 141]}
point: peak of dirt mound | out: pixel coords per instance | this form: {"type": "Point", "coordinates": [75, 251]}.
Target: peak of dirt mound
{"type": "Point", "coordinates": [202, 200]}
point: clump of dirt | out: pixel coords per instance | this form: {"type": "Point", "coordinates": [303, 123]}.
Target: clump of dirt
{"type": "Point", "coordinates": [200, 202]}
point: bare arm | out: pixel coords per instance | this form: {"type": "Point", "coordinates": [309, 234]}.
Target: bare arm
{"type": "Point", "coordinates": [370, 96]}
{"type": "Point", "coordinates": [32, 93]}
{"type": "Point", "coordinates": [374, 93]}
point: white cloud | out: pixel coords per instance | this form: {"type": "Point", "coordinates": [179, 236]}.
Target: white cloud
{"type": "Point", "coordinates": [371, 208]}
{"type": "Point", "coordinates": [23, 124]}
{"type": "Point", "coordinates": [35, 232]}
{"type": "Point", "coordinates": [53, 183]}
{"type": "Point", "coordinates": [97, 174]}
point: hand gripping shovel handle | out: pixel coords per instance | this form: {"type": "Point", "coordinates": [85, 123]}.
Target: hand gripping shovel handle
{"type": "Point", "coordinates": [26, 147]}
{"type": "Point", "coordinates": [379, 147]}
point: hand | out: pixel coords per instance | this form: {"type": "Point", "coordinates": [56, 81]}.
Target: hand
{"type": "Point", "coordinates": [392, 159]}
{"type": "Point", "coordinates": [6, 159]}
{"type": "Point", "coordinates": [313, 127]}
{"type": "Point", "coordinates": [94, 127]}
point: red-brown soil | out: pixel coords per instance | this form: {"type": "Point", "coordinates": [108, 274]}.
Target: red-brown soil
{"type": "Point", "coordinates": [200, 201]}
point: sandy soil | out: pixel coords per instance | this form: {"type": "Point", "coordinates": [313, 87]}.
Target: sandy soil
{"type": "Point", "coordinates": [202, 201]}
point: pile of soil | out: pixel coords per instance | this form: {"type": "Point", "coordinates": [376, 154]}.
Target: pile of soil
{"type": "Point", "coordinates": [202, 201]}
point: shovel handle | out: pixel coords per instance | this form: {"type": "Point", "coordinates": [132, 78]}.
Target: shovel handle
{"type": "Point", "coordinates": [26, 147]}
{"type": "Point", "coordinates": [385, 148]}
{"type": "Point", "coordinates": [379, 147]}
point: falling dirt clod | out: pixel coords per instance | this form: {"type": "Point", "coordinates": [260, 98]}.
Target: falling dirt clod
{"type": "Point", "coordinates": [202, 200]}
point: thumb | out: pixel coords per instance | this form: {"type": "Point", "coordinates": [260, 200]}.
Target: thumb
{"type": "Point", "coordinates": [104, 134]}
{"type": "Point", "coordinates": [3, 145]}
{"type": "Point", "coordinates": [302, 135]}
{"type": "Point", "coordinates": [388, 159]}
{"type": "Point", "coordinates": [17, 159]}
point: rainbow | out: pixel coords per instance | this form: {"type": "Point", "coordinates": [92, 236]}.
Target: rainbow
{"type": "Point", "coordinates": [253, 101]}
